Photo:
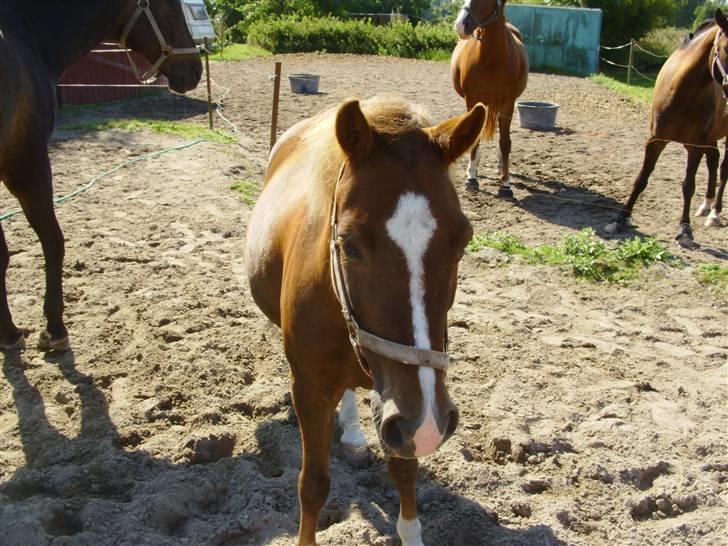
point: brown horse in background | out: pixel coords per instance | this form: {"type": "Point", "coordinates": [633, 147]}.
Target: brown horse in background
{"type": "Point", "coordinates": [689, 107]}
{"type": "Point", "coordinates": [353, 250]}
{"type": "Point", "coordinates": [39, 39]}
{"type": "Point", "coordinates": [490, 66]}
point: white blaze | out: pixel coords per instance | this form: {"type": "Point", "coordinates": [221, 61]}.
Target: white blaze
{"type": "Point", "coordinates": [411, 228]}
{"type": "Point", "coordinates": [460, 21]}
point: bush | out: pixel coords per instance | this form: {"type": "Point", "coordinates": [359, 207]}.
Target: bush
{"type": "Point", "coordinates": [292, 34]}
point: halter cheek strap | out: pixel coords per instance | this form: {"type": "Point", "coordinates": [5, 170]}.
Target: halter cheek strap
{"type": "Point", "coordinates": [717, 63]}
{"type": "Point", "coordinates": [360, 338]}
{"type": "Point", "coordinates": [167, 50]}
{"type": "Point", "coordinates": [489, 21]}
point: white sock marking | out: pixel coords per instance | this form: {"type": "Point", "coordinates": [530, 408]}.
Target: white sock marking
{"type": "Point", "coordinates": [410, 531]}
{"type": "Point", "coordinates": [411, 228]}
{"type": "Point", "coordinates": [473, 165]}
{"type": "Point", "coordinates": [704, 209]}
{"type": "Point", "coordinates": [353, 437]}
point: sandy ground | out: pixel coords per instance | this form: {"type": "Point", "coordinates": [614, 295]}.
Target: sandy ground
{"type": "Point", "coordinates": [589, 414]}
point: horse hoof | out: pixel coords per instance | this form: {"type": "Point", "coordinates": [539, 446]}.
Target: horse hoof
{"type": "Point", "coordinates": [505, 192]}
{"type": "Point", "coordinates": [17, 345]}
{"type": "Point", "coordinates": [47, 343]}
{"type": "Point", "coordinates": [471, 184]}
{"type": "Point", "coordinates": [713, 220]}
{"type": "Point", "coordinates": [612, 228]}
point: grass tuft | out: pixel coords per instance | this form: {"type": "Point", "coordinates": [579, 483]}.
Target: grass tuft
{"type": "Point", "coordinates": [176, 128]}
{"type": "Point", "coordinates": [713, 276]}
{"type": "Point", "coordinates": [639, 90]}
{"type": "Point", "coordinates": [239, 52]}
{"type": "Point", "coordinates": [584, 254]}
{"type": "Point", "coordinates": [247, 191]}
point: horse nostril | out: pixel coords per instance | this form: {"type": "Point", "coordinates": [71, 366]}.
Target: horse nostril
{"type": "Point", "coordinates": [393, 434]}
{"type": "Point", "coordinates": [453, 418]}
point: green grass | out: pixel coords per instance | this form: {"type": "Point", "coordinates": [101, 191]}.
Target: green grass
{"type": "Point", "coordinates": [247, 191]}
{"type": "Point", "coordinates": [239, 52]}
{"type": "Point", "coordinates": [713, 276]}
{"type": "Point", "coordinates": [176, 128]}
{"type": "Point", "coordinates": [584, 255]}
{"type": "Point", "coordinates": [435, 55]}
{"type": "Point", "coordinates": [639, 89]}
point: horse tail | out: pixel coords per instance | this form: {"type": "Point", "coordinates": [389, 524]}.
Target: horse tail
{"type": "Point", "coordinates": [491, 122]}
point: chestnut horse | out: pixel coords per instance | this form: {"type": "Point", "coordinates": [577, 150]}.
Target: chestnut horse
{"type": "Point", "coordinates": [353, 250]}
{"type": "Point", "coordinates": [39, 39]}
{"type": "Point", "coordinates": [489, 65]}
{"type": "Point", "coordinates": [689, 107]}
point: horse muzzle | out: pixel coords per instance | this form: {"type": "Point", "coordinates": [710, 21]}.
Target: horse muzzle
{"type": "Point", "coordinates": [184, 74]}
{"type": "Point", "coordinates": [409, 437]}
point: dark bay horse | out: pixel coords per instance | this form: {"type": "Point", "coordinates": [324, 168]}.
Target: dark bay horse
{"type": "Point", "coordinates": [689, 107]}
{"type": "Point", "coordinates": [39, 39]}
{"type": "Point", "coordinates": [353, 250]}
{"type": "Point", "coordinates": [490, 66]}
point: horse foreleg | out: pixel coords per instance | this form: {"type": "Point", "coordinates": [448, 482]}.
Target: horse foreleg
{"type": "Point", "coordinates": [472, 181]}
{"type": "Point", "coordinates": [712, 159]}
{"type": "Point", "coordinates": [713, 219]}
{"type": "Point", "coordinates": [10, 336]}
{"type": "Point", "coordinates": [315, 413]}
{"type": "Point", "coordinates": [685, 235]}
{"type": "Point", "coordinates": [353, 437]}
{"type": "Point", "coordinates": [404, 475]}
{"type": "Point", "coordinates": [652, 153]}
{"type": "Point", "coordinates": [504, 152]}
{"type": "Point", "coordinates": [35, 194]}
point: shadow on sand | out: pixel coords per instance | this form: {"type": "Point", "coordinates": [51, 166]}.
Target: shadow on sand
{"type": "Point", "coordinates": [96, 489]}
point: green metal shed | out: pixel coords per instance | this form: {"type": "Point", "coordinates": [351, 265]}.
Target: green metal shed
{"type": "Point", "coordinates": [564, 39]}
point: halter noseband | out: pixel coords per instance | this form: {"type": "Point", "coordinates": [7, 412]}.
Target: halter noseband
{"type": "Point", "coordinates": [167, 50]}
{"type": "Point", "coordinates": [360, 338]}
{"type": "Point", "coordinates": [489, 21]}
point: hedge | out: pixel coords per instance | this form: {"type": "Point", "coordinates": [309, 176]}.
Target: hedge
{"type": "Point", "coordinates": [306, 34]}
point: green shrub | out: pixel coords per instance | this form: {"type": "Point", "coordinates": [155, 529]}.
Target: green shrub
{"type": "Point", "coordinates": [304, 34]}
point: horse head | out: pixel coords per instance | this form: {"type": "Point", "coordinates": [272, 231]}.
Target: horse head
{"type": "Point", "coordinates": [476, 14]}
{"type": "Point", "coordinates": [157, 29]}
{"type": "Point", "coordinates": [720, 55]}
{"type": "Point", "coordinates": [398, 234]}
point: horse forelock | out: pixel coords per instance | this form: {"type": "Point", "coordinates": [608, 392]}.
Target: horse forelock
{"type": "Point", "coordinates": [397, 123]}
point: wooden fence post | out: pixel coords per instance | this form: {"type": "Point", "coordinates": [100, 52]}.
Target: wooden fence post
{"type": "Point", "coordinates": [631, 59]}
{"type": "Point", "coordinates": [209, 88]}
{"type": "Point", "coordinates": [276, 98]}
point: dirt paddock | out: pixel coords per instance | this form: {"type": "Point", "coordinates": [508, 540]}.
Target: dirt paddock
{"type": "Point", "coordinates": [589, 414]}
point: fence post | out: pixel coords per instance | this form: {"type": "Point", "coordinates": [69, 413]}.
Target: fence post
{"type": "Point", "coordinates": [209, 88]}
{"type": "Point", "coordinates": [276, 98]}
{"type": "Point", "coordinates": [631, 58]}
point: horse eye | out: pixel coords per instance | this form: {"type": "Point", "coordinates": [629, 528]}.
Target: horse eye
{"type": "Point", "coordinates": [350, 249]}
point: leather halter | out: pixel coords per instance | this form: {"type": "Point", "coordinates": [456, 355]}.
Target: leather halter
{"type": "Point", "coordinates": [717, 63]}
{"type": "Point", "coordinates": [359, 338]}
{"type": "Point", "coordinates": [486, 22]}
{"type": "Point", "coordinates": [167, 50]}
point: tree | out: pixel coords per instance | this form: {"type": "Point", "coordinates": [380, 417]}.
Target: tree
{"type": "Point", "coordinates": [626, 19]}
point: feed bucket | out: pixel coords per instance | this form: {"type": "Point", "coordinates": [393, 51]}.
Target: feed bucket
{"type": "Point", "coordinates": [537, 115]}
{"type": "Point", "coordinates": [304, 83]}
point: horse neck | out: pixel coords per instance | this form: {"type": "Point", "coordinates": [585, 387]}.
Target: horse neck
{"type": "Point", "coordinates": [64, 32]}
{"type": "Point", "coordinates": [702, 67]}
{"type": "Point", "coordinates": [494, 39]}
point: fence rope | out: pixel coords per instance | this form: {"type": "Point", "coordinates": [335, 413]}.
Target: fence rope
{"type": "Point", "coordinates": [84, 188]}
{"type": "Point", "coordinates": [638, 46]}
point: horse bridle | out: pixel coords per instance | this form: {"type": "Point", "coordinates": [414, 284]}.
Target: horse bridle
{"type": "Point", "coordinates": [360, 338]}
{"type": "Point", "coordinates": [717, 63]}
{"type": "Point", "coordinates": [167, 50]}
{"type": "Point", "coordinates": [489, 21]}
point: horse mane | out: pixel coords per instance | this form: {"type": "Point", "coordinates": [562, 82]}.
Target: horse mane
{"type": "Point", "coordinates": [702, 27]}
{"type": "Point", "coordinates": [391, 118]}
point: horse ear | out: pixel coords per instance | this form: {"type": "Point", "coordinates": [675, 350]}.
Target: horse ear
{"type": "Point", "coordinates": [721, 20]}
{"type": "Point", "coordinates": [352, 130]}
{"type": "Point", "coordinates": [457, 135]}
